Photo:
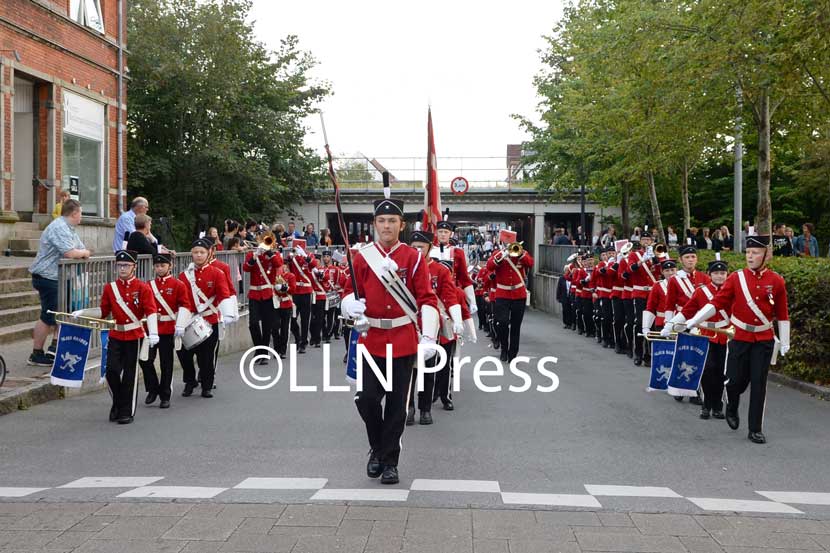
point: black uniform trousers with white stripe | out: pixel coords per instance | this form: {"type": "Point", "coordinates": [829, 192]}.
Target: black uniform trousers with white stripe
{"type": "Point", "coordinates": [122, 377]}
{"type": "Point", "coordinates": [747, 365]}
{"type": "Point", "coordinates": [152, 383]}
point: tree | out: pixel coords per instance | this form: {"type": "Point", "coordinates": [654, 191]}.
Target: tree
{"type": "Point", "coordinates": [214, 118]}
{"type": "Point", "coordinates": [354, 170]}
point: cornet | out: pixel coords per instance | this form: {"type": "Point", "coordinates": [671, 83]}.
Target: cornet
{"type": "Point", "coordinates": [515, 249]}
{"type": "Point", "coordinates": [626, 249]}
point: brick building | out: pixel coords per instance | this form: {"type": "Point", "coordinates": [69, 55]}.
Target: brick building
{"type": "Point", "coordinates": [61, 63]}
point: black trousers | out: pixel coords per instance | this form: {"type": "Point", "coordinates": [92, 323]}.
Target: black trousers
{"type": "Point", "coordinates": [329, 320]}
{"type": "Point", "coordinates": [580, 321]}
{"type": "Point", "coordinates": [597, 311]}
{"type": "Point", "coordinates": [630, 321]}
{"type": "Point", "coordinates": [206, 354]}
{"type": "Point", "coordinates": [301, 323]}
{"type": "Point", "coordinates": [318, 315]}
{"type": "Point", "coordinates": [509, 315]}
{"type": "Point", "coordinates": [482, 312]}
{"type": "Point", "coordinates": [491, 319]}
{"type": "Point", "coordinates": [747, 364]}
{"type": "Point", "coordinates": [385, 425]}
{"type": "Point", "coordinates": [152, 384]}
{"type": "Point", "coordinates": [260, 321]}
{"type": "Point", "coordinates": [607, 321]}
{"type": "Point", "coordinates": [586, 311]}
{"type": "Point", "coordinates": [279, 332]}
{"type": "Point", "coordinates": [713, 377]}
{"type": "Point", "coordinates": [639, 341]}
{"type": "Point", "coordinates": [443, 378]}
{"type": "Point", "coordinates": [619, 322]}
{"type": "Point", "coordinates": [567, 311]}
{"type": "Point", "coordinates": [429, 393]}
{"type": "Point", "coordinates": [122, 377]}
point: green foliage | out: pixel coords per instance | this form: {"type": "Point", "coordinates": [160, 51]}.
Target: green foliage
{"type": "Point", "coordinates": [807, 283]}
{"type": "Point", "coordinates": [214, 118]}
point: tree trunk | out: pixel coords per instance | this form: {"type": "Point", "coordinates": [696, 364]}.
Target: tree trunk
{"type": "Point", "coordinates": [626, 227]}
{"type": "Point", "coordinates": [684, 187]}
{"type": "Point", "coordinates": [763, 219]}
{"type": "Point", "coordinates": [655, 207]}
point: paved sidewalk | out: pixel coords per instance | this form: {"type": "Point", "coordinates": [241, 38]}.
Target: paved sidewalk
{"type": "Point", "coordinates": [302, 528]}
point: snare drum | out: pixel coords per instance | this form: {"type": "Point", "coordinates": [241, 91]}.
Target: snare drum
{"type": "Point", "coordinates": [197, 332]}
{"type": "Point", "coordinates": [332, 299]}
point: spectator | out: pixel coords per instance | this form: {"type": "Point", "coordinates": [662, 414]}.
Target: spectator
{"type": "Point", "coordinates": [310, 236]}
{"type": "Point", "coordinates": [213, 234]}
{"type": "Point", "coordinates": [707, 239]}
{"type": "Point", "coordinates": [728, 241]}
{"type": "Point", "coordinates": [781, 245]}
{"type": "Point", "coordinates": [325, 237]}
{"type": "Point", "coordinates": [140, 240]}
{"type": "Point", "coordinates": [691, 236]}
{"type": "Point", "coordinates": [125, 225]}
{"type": "Point", "coordinates": [488, 244]}
{"type": "Point", "coordinates": [59, 240]}
{"type": "Point", "coordinates": [806, 245]}
{"type": "Point", "coordinates": [699, 241]}
{"type": "Point", "coordinates": [636, 236]}
{"type": "Point", "coordinates": [292, 231]}
{"type": "Point", "coordinates": [671, 237]}
{"type": "Point", "coordinates": [231, 231]}
{"type": "Point", "coordinates": [717, 240]}
{"type": "Point", "coordinates": [608, 238]}
{"type": "Point", "coordinates": [62, 197]}
{"type": "Point", "coordinates": [251, 229]}
{"type": "Point", "coordinates": [561, 238]}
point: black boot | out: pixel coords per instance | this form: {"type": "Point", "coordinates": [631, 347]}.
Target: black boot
{"type": "Point", "coordinates": [188, 389]}
{"type": "Point", "coordinates": [757, 437]}
{"type": "Point", "coordinates": [373, 467]}
{"type": "Point", "coordinates": [125, 419]}
{"type": "Point", "coordinates": [717, 414]}
{"type": "Point", "coordinates": [151, 398]}
{"type": "Point", "coordinates": [113, 414]}
{"type": "Point", "coordinates": [504, 356]}
{"type": "Point", "coordinates": [448, 406]}
{"type": "Point", "coordinates": [410, 416]}
{"type": "Point", "coordinates": [165, 404]}
{"type": "Point", "coordinates": [696, 400]}
{"type": "Point", "coordinates": [638, 361]}
{"type": "Point", "coordinates": [704, 413]}
{"type": "Point", "coordinates": [426, 418]}
{"type": "Point", "coordinates": [732, 418]}
{"type": "Point", "coordinates": [390, 475]}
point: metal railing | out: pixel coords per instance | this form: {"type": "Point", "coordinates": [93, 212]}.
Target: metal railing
{"type": "Point", "coordinates": [552, 259]}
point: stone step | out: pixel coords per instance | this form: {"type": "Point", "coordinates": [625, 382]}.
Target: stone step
{"type": "Point", "coordinates": [17, 315]}
{"type": "Point", "coordinates": [24, 253]}
{"type": "Point", "coordinates": [18, 234]}
{"type": "Point", "coordinates": [14, 333]}
{"type": "Point", "coordinates": [26, 225]}
{"type": "Point", "coordinates": [17, 244]}
{"type": "Point", "coordinates": [13, 285]}
{"type": "Point", "coordinates": [19, 299]}
{"type": "Point", "coordinates": [10, 273]}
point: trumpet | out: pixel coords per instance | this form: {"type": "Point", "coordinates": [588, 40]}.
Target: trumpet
{"type": "Point", "coordinates": [266, 240]}
{"type": "Point", "coordinates": [515, 249]}
{"type": "Point", "coordinates": [626, 249]}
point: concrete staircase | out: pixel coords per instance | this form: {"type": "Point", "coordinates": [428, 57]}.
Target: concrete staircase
{"type": "Point", "coordinates": [24, 239]}
{"type": "Point", "coordinates": [19, 304]}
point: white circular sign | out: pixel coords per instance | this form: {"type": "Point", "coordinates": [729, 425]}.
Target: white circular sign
{"type": "Point", "coordinates": [459, 185]}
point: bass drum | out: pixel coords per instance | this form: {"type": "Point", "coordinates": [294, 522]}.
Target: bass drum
{"type": "Point", "coordinates": [197, 332]}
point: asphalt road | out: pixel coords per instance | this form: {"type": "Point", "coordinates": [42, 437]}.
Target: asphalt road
{"type": "Point", "coordinates": [600, 427]}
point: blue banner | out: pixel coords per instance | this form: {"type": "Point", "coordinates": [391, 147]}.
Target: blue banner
{"type": "Point", "coordinates": [662, 352]}
{"type": "Point", "coordinates": [687, 364]}
{"type": "Point", "coordinates": [351, 361]}
{"type": "Point", "coordinates": [105, 338]}
{"type": "Point", "coordinates": [70, 356]}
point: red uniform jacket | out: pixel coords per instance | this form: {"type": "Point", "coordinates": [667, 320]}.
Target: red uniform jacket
{"type": "Point", "coordinates": [509, 285]}
{"type": "Point", "coordinates": [768, 291]}
{"type": "Point", "coordinates": [679, 292]}
{"type": "Point", "coordinates": [175, 295]}
{"type": "Point", "coordinates": [641, 275]}
{"type": "Point", "coordinates": [332, 277]}
{"type": "Point", "coordinates": [656, 300]}
{"type": "Point", "coordinates": [317, 274]}
{"type": "Point", "coordinates": [301, 269]}
{"type": "Point", "coordinates": [586, 285]}
{"type": "Point", "coordinates": [602, 278]}
{"type": "Point", "coordinates": [286, 302]}
{"type": "Point", "coordinates": [413, 271]}
{"type": "Point", "coordinates": [222, 266]}
{"type": "Point", "coordinates": [459, 267]}
{"type": "Point", "coordinates": [720, 319]}
{"type": "Point", "coordinates": [139, 299]}
{"type": "Point", "coordinates": [622, 270]}
{"type": "Point", "coordinates": [445, 289]}
{"type": "Point", "coordinates": [462, 301]}
{"type": "Point", "coordinates": [214, 285]}
{"type": "Point", "coordinates": [480, 283]}
{"type": "Point", "coordinates": [259, 288]}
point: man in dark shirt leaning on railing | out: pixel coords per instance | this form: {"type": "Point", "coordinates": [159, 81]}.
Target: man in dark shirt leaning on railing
{"type": "Point", "coordinates": [59, 240]}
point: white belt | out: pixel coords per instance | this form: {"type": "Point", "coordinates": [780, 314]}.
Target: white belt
{"type": "Point", "coordinates": [719, 324]}
{"type": "Point", "coordinates": [261, 287]}
{"type": "Point", "coordinates": [628, 288]}
{"type": "Point", "coordinates": [166, 318]}
{"type": "Point", "coordinates": [303, 284]}
{"type": "Point", "coordinates": [127, 327]}
{"type": "Point", "coordinates": [618, 288]}
{"type": "Point", "coordinates": [661, 314]}
{"type": "Point", "coordinates": [750, 328]}
{"type": "Point", "coordinates": [592, 290]}
{"type": "Point", "coordinates": [388, 324]}
{"type": "Point", "coordinates": [601, 289]}
{"type": "Point", "coordinates": [506, 287]}
{"type": "Point", "coordinates": [642, 288]}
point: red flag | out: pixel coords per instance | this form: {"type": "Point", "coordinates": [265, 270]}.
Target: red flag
{"type": "Point", "coordinates": [432, 195]}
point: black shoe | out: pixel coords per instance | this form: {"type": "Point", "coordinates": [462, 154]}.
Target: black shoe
{"type": "Point", "coordinates": [448, 406]}
{"type": "Point", "coordinates": [678, 399]}
{"type": "Point", "coordinates": [165, 404]}
{"type": "Point", "coordinates": [426, 418]}
{"type": "Point", "coordinates": [504, 356]}
{"type": "Point", "coordinates": [580, 332]}
{"type": "Point", "coordinates": [301, 349]}
{"type": "Point", "coordinates": [125, 419]}
{"type": "Point", "coordinates": [717, 414]}
{"type": "Point", "coordinates": [638, 362]}
{"type": "Point", "coordinates": [733, 420]}
{"type": "Point", "coordinates": [630, 354]}
{"type": "Point", "coordinates": [704, 414]}
{"type": "Point", "coordinates": [317, 345]}
{"type": "Point", "coordinates": [40, 360]}
{"type": "Point", "coordinates": [282, 356]}
{"type": "Point", "coordinates": [188, 390]}
{"type": "Point", "coordinates": [695, 400]}
{"type": "Point", "coordinates": [619, 350]}
{"type": "Point", "coordinates": [390, 475]}
{"type": "Point", "coordinates": [151, 398]}
{"type": "Point", "coordinates": [113, 414]}
{"type": "Point", "coordinates": [410, 416]}
{"type": "Point", "coordinates": [262, 361]}
{"type": "Point", "coordinates": [373, 467]}
{"type": "Point", "coordinates": [345, 357]}
{"type": "Point", "coordinates": [757, 438]}
{"type": "Point", "coordinates": [207, 393]}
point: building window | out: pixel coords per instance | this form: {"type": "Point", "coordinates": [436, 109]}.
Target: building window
{"type": "Point", "coordinates": [87, 12]}
{"type": "Point", "coordinates": [83, 152]}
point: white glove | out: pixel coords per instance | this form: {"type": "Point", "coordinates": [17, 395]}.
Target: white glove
{"type": "Point", "coordinates": [429, 353]}
{"type": "Point", "coordinates": [784, 337]}
{"type": "Point", "coordinates": [259, 251]}
{"type": "Point", "coordinates": [705, 313]}
{"type": "Point", "coordinates": [352, 308]}
{"type": "Point", "coordinates": [473, 308]}
{"type": "Point", "coordinates": [179, 331]}
{"type": "Point", "coordinates": [388, 264]}
{"type": "Point", "coordinates": [458, 328]}
{"type": "Point", "coordinates": [300, 251]}
{"type": "Point", "coordinates": [153, 339]}
{"type": "Point", "coordinates": [78, 313]}
{"type": "Point", "coordinates": [666, 332]}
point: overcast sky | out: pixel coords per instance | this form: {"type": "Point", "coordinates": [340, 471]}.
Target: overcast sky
{"type": "Point", "coordinates": [387, 61]}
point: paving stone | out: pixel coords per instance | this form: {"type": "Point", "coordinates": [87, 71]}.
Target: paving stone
{"type": "Point", "coordinates": [822, 540]}
{"type": "Point", "coordinates": [131, 546]}
{"type": "Point", "coordinates": [312, 515]}
{"type": "Point", "coordinates": [568, 518]}
{"type": "Point", "coordinates": [668, 525]}
{"type": "Point", "coordinates": [146, 509]}
{"type": "Point", "coordinates": [355, 528]}
{"type": "Point", "coordinates": [441, 544]}
{"type": "Point", "coordinates": [615, 519]}
{"type": "Point", "coordinates": [202, 528]}
{"type": "Point", "coordinates": [383, 544]}
{"type": "Point", "coordinates": [298, 531]}
{"type": "Point", "coordinates": [70, 540]}
{"type": "Point", "coordinates": [752, 538]}
{"type": "Point", "coordinates": [136, 528]}
{"type": "Point", "coordinates": [252, 510]}
{"type": "Point", "coordinates": [94, 523]}
{"type": "Point", "coordinates": [596, 541]}
{"type": "Point", "coordinates": [388, 528]}
{"type": "Point", "coordinates": [205, 510]}
{"type": "Point", "coordinates": [18, 509]}
{"type": "Point", "coordinates": [330, 544]}
{"type": "Point", "coordinates": [701, 545]}
{"type": "Point", "coordinates": [21, 539]}
{"type": "Point", "coordinates": [202, 547]}
{"type": "Point", "coordinates": [541, 546]}
{"type": "Point", "coordinates": [256, 525]}
{"type": "Point", "coordinates": [714, 523]}
{"type": "Point", "coordinates": [773, 524]}
{"type": "Point", "coordinates": [256, 543]}
{"type": "Point", "coordinates": [439, 522]}
{"type": "Point", "coordinates": [490, 546]}
{"type": "Point", "coordinates": [377, 513]}
{"type": "Point", "coordinates": [764, 550]}
{"type": "Point", "coordinates": [49, 520]}
{"type": "Point", "coordinates": [517, 525]}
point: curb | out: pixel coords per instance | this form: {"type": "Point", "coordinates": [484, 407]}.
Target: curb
{"type": "Point", "coordinates": [33, 394]}
{"type": "Point", "coordinates": [820, 392]}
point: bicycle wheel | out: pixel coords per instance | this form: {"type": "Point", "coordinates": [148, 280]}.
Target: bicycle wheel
{"type": "Point", "coordinates": [2, 370]}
